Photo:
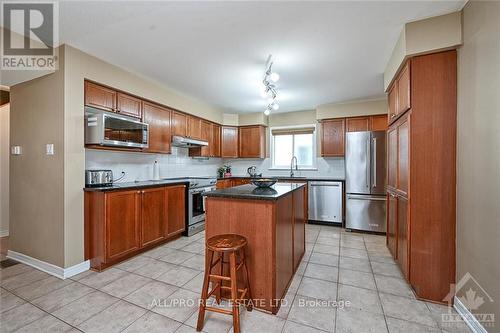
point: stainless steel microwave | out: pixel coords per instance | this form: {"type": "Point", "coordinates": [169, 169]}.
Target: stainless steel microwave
{"type": "Point", "coordinates": [111, 129]}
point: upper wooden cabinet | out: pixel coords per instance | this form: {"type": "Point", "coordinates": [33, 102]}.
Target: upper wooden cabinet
{"type": "Point", "coordinates": [358, 124]}
{"type": "Point", "coordinates": [398, 156]}
{"type": "Point", "coordinates": [378, 123]}
{"type": "Point", "coordinates": [158, 119]}
{"type": "Point", "coordinates": [216, 141]}
{"type": "Point", "coordinates": [229, 142]}
{"type": "Point", "coordinates": [399, 96]}
{"type": "Point", "coordinates": [252, 141]}
{"type": "Point", "coordinates": [332, 137]}
{"type": "Point", "coordinates": [179, 124]}
{"type": "Point", "coordinates": [100, 97]}
{"type": "Point", "coordinates": [194, 127]}
{"type": "Point", "coordinates": [129, 105]}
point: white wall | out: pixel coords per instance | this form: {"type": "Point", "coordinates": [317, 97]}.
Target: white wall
{"type": "Point", "coordinates": [4, 169]}
{"type": "Point", "coordinates": [139, 166]}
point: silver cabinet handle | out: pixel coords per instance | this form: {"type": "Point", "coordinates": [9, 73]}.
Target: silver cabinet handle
{"type": "Point", "coordinates": [374, 182]}
{"type": "Point", "coordinates": [334, 185]}
{"type": "Point", "coordinates": [365, 197]}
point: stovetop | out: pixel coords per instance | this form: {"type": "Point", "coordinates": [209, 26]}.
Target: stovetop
{"type": "Point", "coordinates": [195, 182]}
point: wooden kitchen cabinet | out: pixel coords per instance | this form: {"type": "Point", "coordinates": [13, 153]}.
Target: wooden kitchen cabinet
{"type": "Point", "coordinates": [378, 123]}
{"type": "Point", "coordinates": [392, 158]}
{"type": "Point", "coordinates": [153, 218]}
{"type": "Point", "coordinates": [240, 181]}
{"type": "Point", "coordinates": [210, 132]}
{"type": "Point", "coordinates": [332, 137]}
{"type": "Point", "coordinates": [128, 105]}
{"type": "Point", "coordinates": [422, 174]}
{"type": "Point", "coordinates": [158, 119]}
{"type": "Point", "coordinates": [100, 97]}
{"type": "Point", "coordinates": [358, 124]}
{"type": "Point", "coordinates": [229, 142]}
{"type": "Point", "coordinates": [215, 146]}
{"type": "Point", "coordinates": [179, 124]}
{"type": "Point", "coordinates": [224, 183]}
{"type": "Point", "coordinates": [122, 224]}
{"type": "Point", "coordinates": [392, 226]}
{"type": "Point", "coordinates": [176, 209]}
{"type": "Point", "coordinates": [194, 127]}
{"type": "Point", "coordinates": [252, 141]}
{"type": "Point", "coordinates": [299, 226]}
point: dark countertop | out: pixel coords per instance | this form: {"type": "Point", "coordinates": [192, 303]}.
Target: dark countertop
{"type": "Point", "coordinates": [253, 192]}
{"type": "Point", "coordinates": [307, 178]}
{"type": "Point", "coordinates": [137, 185]}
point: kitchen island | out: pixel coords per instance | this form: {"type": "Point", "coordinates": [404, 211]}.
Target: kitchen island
{"type": "Point", "coordinates": [273, 221]}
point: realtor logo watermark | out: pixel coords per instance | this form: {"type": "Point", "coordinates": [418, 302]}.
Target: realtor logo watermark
{"type": "Point", "coordinates": [472, 296]}
{"type": "Point", "coordinates": [30, 32]}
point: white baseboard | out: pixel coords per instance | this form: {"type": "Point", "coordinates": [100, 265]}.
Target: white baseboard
{"type": "Point", "coordinates": [468, 317]}
{"type": "Point", "coordinates": [62, 273]}
{"type": "Point", "coordinates": [4, 233]}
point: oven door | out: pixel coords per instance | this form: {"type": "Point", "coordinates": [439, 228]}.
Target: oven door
{"type": "Point", "coordinates": [197, 204]}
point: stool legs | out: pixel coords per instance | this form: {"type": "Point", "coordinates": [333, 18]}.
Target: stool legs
{"type": "Point", "coordinates": [234, 293]}
{"type": "Point", "coordinates": [221, 273]}
{"type": "Point", "coordinates": [204, 291]}
{"type": "Point", "coordinates": [249, 301]}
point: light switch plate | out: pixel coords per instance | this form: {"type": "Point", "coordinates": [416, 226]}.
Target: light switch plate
{"type": "Point", "coordinates": [15, 150]}
{"type": "Point", "coordinates": [50, 149]}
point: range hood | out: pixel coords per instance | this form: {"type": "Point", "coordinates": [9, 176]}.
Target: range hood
{"type": "Point", "coordinates": [181, 141]}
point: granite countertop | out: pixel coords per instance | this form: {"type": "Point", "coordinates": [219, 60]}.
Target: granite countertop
{"type": "Point", "coordinates": [306, 178]}
{"type": "Point", "coordinates": [253, 192]}
{"type": "Point", "coordinates": [137, 185]}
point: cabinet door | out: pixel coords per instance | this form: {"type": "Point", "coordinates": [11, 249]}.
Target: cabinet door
{"type": "Point", "coordinates": [229, 141]}
{"type": "Point", "coordinates": [179, 124]}
{"type": "Point", "coordinates": [299, 219]}
{"type": "Point", "coordinates": [153, 220]}
{"type": "Point", "coordinates": [332, 137]}
{"type": "Point", "coordinates": [129, 105]}
{"type": "Point", "coordinates": [403, 146]}
{"type": "Point", "coordinates": [176, 209]}
{"type": "Point", "coordinates": [122, 224]}
{"type": "Point", "coordinates": [404, 93]}
{"type": "Point", "coordinates": [215, 149]}
{"type": "Point", "coordinates": [224, 183]}
{"type": "Point", "coordinates": [393, 102]}
{"type": "Point", "coordinates": [252, 142]}
{"type": "Point", "coordinates": [206, 135]}
{"type": "Point", "coordinates": [194, 127]}
{"type": "Point", "coordinates": [158, 119]}
{"type": "Point", "coordinates": [378, 123]}
{"type": "Point", "coordinates": [392, 157]}
{"type": "Point", "coordinates": [402, 224]}
{"type": "Point", "coordinates": [358, 124]}
{"type": "Point", "coordinates": [100, 97]}
{"type": "Point", "coordinates": [392, 227]}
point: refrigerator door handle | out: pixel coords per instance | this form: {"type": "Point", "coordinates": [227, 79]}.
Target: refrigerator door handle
{"type": "Point", "coordinates": [374, 181]}
{"type": "Point", "coordinates": [368, 159]}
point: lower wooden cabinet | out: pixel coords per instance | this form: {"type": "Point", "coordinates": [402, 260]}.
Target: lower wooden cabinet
{"type": "Point", "coordinates": [392, 226]}
{"type": "Point", "coordinates": [397, 230]}
{"type": "Point", "coordinates": [122, 223]}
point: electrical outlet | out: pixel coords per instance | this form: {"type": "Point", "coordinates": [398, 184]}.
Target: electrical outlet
{"type": "Point", "coordinates": [16, 150]}
{"type": "Point", "coordinates": [49, 149]}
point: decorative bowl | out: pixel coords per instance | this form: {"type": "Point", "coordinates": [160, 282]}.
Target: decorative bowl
{"type": "Point", "coordinates": [263, 182]}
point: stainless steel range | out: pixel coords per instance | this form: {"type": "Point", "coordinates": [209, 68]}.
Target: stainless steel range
{"type": "Point", "coordinates": [196, 202]}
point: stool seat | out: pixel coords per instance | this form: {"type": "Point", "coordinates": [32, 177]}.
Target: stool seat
{"type": "Point", "coordinates": [226, 243]}
{"type": "Point", "coordinates": [226, 279]}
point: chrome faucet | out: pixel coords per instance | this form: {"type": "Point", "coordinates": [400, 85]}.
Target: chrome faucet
{"type": "Point", "coordinates": [291, 166]}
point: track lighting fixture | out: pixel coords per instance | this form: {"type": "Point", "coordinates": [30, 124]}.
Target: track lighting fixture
{"type": "Point", "coordinates": [269, 89]}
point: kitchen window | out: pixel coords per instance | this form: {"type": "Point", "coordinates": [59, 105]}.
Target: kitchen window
{"type": "Point", "coordinates": [287, 142]}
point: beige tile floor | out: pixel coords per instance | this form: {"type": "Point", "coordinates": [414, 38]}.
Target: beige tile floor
{"type": "Point", "coordinates": [134, 295]}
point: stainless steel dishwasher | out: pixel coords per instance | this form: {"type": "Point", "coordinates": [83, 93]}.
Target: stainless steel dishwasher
{"type": "Point", "coordinates": [325, 202]}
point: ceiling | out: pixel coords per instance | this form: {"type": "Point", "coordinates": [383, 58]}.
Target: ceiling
{"type": "Point", "coordinates": [325, 52]}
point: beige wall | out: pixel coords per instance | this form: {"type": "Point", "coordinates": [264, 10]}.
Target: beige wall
{"type": "Point", "coordinates": [256, 118]}
{"type": "Point", "coordinates": [230, 119]}
{"type": "Point", "coordinates": [292, 118]}
{"type": "Point", "coordinates": [424, 36]}
{"type": "Point", "coordinates": [37, 180]}
{"type": "Point", "coordinates": [4, 169]}
{"type": "Point", "coordinates": [352, 109]}
{"type": "Point", "coordinates": [478, 160]}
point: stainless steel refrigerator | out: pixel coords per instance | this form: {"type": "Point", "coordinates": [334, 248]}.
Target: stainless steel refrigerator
{"type": "Point", "coordinates": [365, 164]}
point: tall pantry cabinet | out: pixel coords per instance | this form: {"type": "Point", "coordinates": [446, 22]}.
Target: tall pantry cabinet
{"type": "Point", "coordinates": [421, 142]}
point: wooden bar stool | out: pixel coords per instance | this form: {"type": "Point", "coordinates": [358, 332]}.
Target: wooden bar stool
{"type": "Point", "coordinates": [231, 245]}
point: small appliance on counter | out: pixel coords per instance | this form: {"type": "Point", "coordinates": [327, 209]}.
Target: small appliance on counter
{"type": "Point", "coordinates": [252, 171]}
{"type": "Point", "coordinates": [98, 178]}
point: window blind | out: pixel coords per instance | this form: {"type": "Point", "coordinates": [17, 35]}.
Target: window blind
{"type": "Point", "coordinates": [291, 131]}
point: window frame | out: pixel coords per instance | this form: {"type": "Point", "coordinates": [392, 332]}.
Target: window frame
{"type": "Point", "coordinates": [314, 147]}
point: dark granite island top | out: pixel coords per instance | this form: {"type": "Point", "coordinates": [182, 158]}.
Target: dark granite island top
{"type": "Point", "coordinates": [249, 191]}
